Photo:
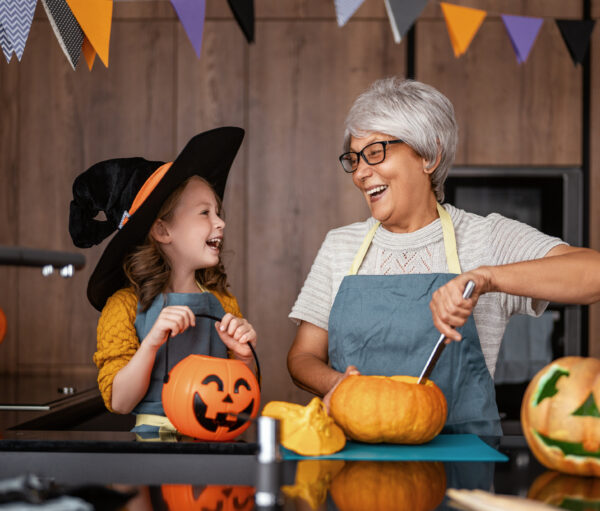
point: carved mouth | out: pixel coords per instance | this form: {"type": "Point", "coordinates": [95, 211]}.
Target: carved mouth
{"type": "Point", "coordinates": [221, 419]}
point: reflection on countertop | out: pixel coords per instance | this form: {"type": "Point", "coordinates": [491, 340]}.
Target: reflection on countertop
{"type": "Point", "coordinates": [207, 472]}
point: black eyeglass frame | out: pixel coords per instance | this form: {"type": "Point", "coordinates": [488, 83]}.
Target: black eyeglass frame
{"type": "Point", "coordinates": [362, 155]}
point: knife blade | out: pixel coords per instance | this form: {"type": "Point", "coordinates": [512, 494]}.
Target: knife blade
{"type": "Point", "coordinates": [440, 344]}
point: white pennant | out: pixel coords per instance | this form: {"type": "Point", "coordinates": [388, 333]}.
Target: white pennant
{"type": "Point", "coordinates": [344, 10]}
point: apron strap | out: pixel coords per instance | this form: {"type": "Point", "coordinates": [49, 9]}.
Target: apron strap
{"type": "Point", "coordinates": [362, 251]}
{"type": "Point", "coordinates": [449, 240]}
{"type": "Point", "coordinates": [449, 244]}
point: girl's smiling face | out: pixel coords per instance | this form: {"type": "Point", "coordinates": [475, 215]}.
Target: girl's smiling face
{"type": "Point", "coordinates": [193, 234]}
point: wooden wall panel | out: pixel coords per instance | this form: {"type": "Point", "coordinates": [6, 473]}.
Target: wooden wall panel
{"type": "Point", "coordinates": [68, 121]}
{"type": "Point", "coordinates": [594, 182]}
{"type": "Point", "coordinates": [9, 223]}
{"type": "Point", "coordinates": [311, 9]}
{"type": "Point", "coordinates": [211, 92]}
{"type": "Point", "coordinates": [539, 8]}
{"type": "Point", "coordinates": [507, 113]}
{"type": "Point", "coordinates": [303, 78]}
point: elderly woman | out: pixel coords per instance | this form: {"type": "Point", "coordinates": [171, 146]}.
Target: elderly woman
{"type": "Point", "coordinates": [380, 292]}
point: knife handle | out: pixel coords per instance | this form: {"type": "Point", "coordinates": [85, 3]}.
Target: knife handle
{"type": "Point", "coordinates": [469, 289]}
{"type": "Point", "coordinates": [440, 345]}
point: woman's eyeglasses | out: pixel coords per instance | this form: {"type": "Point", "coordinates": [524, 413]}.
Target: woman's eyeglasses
{"type": "Point", "coordinates": [373, 154]}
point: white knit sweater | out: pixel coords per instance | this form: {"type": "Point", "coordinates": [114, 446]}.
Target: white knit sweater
{"type": "Point", "coordinates": [490, 240]}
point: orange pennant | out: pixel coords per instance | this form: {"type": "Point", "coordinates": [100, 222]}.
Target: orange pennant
{"type": "Point", "coordinates": [462, 24]}
{"type": "Point", "coordinates": [88, 52]}
{"type": "Point", "coordinates": [95, 19]}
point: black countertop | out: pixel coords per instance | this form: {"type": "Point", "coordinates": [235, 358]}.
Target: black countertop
{"type": "Point", "coordinates": [116, 460]}
{"type": "Point", "coordinates": [80, 445]}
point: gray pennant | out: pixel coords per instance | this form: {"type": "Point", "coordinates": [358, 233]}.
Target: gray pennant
{"type": "Point", "coordinates": [67, 30]}
{"type": "Point", "coordinates": [402, 15]}
{"type": "Point", "coordinates": [7, 48]}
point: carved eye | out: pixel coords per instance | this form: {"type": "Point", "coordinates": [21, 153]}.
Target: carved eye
{"type": "Point", "coordinates": [214, 378]}
{"type": "Point", "coordinates": [240, 382]}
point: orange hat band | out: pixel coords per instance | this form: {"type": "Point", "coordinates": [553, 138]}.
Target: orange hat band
{"type": "Point", "coordinates": [145, 191]}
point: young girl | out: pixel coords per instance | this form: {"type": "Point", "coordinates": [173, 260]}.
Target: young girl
{"type": "Point", "coordinates": [160, 270]}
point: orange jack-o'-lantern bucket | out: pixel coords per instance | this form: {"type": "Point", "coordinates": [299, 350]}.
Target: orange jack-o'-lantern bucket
{"type": "Point", "coordinates": [210, 398]}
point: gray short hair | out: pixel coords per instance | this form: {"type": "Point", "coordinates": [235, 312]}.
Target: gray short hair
{"type": "Point", "coordinates": [412, 111]}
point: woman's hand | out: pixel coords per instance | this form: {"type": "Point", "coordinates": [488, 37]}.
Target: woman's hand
{"type": "Point", "coordinates": [236, 333]}
{"type": "Point", "coordinates": [449, 309]}
{"type": "Point", "coordinates": [327, 397]}
{"type": "Point", "coordinates": [171, 320]}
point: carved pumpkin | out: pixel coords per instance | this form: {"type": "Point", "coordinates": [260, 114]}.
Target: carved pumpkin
{"type": "Point", "coordinates": [566, 491]}
{"type": "Point", "coordinates": [391, 409]}
{"type": "Point", "coordinates": [560, 417]}
{"type": "Point", "coordinates": [183, 497]}
{"type": "Point", "coordinates": [204, 396]}
{"type": "Point", "coordinates": [307, 430]}
{"type": "Point", "coordinates": [414, 485]}
{"type": "Point", "coordinates": [313, 478]}
{"type": "Point", "coordinates": [2, 325]}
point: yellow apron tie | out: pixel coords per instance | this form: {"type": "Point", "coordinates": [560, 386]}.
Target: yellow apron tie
{"type": "Point", "coordinates": [449, 244]}
{"type": "Point", "coordinates": [449, 240]}
{"type": "Point", "coordinates": [160, 421]}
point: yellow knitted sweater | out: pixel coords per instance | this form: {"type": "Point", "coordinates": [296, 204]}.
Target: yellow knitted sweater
{"type": "Point", "coordinates": [118, 340]}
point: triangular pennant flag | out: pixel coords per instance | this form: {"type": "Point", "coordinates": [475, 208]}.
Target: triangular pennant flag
{"type": "Point", "coordinates": [95, 19]}
{"type": "Point", "coordinates": [576, 34]}
{"type": "Point", "coordinates": [66, 29]}
{"type": "Point", "coordinates": [243, 11]}
{"type": "Point", "coordinates": [344, 10]}
{"type": "Point", "coordinates": [88, 52]}
{"type": "Point", "coordinates": [462, 23]}
{"type": "Point", "coordinates": [402, 15]}
{"type": "Point", "coordinates": [7, 48]}
{"type": "Point", "coordinates": [191, 14]}
{"type": "Point", "coordinates": [523, 31]}
{"type": "Point", "coordinates": [16, 17]}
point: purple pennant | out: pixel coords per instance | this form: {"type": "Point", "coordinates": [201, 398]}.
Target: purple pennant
{"type": "Point", "coordinates": [523, 31]}
{"type": "Point", "coordinates": [191, 14]}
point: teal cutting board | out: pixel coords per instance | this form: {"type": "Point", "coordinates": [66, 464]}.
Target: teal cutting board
{"type": "Point", "coordinates": [441, 448]}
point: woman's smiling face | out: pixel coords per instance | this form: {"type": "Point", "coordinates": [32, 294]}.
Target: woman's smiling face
{"type": "Point", "coordinates": [398, 189]}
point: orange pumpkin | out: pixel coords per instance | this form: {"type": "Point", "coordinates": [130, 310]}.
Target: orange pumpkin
{"type": "Point", "coordinates": [566, 491]}
{"type": "Point", "coordinates": [383, 485]}
{"type": "Point", "coordinates": [204, 396]}
{"type": "Point", "coordinates": [2, 325]}
{"type": "Point", "coordinates": [560, 417]}
{"type": "Point", "coordinates": [391, 409]}
{"type": "Point", "coordinates": [183, 497]}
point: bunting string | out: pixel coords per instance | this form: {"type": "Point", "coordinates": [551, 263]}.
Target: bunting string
{"type": "Point", "coordinates": [84, 26]}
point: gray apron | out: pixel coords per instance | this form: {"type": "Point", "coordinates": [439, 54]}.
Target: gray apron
{"type": "Point", "coordinates": [202, 339]}
{"type": "Point", "coordinates": [382, 324]}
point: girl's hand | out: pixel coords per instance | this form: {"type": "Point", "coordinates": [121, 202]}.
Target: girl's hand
{"type": "Point", "coordinates": [236, 333]}
{"type": "Point", "coordinates": [327, 397]}
{"type": "Point", "coordinates": [450, 310]}
{"type": "Point", "coordinates": [171, 320]}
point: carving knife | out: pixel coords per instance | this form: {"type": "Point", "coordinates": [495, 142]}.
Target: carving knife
{"type": "Point", "coordinates": [440, 345]}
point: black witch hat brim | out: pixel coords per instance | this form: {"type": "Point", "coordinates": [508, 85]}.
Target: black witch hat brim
{"type": "Point", "coordinates": [208, 155]}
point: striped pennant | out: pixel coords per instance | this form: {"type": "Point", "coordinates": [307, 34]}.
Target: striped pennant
{"type": "Point", "coordinates": [7, 48]}
{"type": "Point", "coordinates": [16, 17]}
{"type": "Point", "coordinates": [66, 29]}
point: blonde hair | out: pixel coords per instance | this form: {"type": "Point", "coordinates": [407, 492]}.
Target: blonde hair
{"type": "Point", "coordinates": [148, 270]}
